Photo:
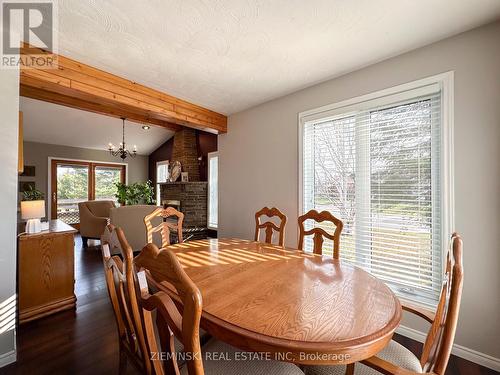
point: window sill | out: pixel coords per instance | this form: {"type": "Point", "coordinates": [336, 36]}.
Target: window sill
{"type": "Point", "coordinates": [415, 299]}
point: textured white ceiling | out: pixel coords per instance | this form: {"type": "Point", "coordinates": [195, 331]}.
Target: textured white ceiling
{"type": "Point", "coordinates": [228, 55]}
{"type": "Point", "coordinates": [54, 124]}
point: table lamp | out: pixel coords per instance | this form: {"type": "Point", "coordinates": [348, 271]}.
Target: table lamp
{"type": "Point", "coordinates": [33, 211]}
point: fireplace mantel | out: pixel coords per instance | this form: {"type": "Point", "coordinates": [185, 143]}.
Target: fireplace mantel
{"type": "Point", "coordinates": [183, 183]}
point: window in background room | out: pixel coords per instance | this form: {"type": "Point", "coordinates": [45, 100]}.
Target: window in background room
{"type": "Point", "coordinates": [72, 188]}
{"type": "Point", "coordinates": [75, 181]}
{"type": "Point", "coordinates": [161, 176]}
{"type": "Point", "coordinates": [379, 164]}
{"type": "Point", "coordinates": [213, 195]}
{"type": "Point", "coordinates": [105, 180]}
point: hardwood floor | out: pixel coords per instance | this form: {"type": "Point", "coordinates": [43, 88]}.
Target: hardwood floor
{"type": "Point", "coordinates": [73, 342]}
{"type": "Point", "coordinates": [85, 341]}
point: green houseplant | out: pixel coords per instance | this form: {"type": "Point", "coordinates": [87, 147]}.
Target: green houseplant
{"type": "Point", "coordinates": [32, 194]}
{"type": "Point", "coordinates": [136, 193]}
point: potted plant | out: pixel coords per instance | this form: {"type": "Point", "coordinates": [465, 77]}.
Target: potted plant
{"type": "Point", "coordinates": [136, 193]}
{"type": "Point", "coordinates": [32, 194]}
{"type": "Point", "coordinates": [121, 193]}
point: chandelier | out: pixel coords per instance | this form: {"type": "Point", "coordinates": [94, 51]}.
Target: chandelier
{"type": "Point", "coordinates": [122, 151]}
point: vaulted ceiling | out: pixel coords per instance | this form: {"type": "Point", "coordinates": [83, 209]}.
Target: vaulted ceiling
{"type": "Point", "coordinates": [228, 55]}
{"type": "Point", "coordinates": [54, 124]}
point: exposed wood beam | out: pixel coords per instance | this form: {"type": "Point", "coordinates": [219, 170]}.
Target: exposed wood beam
{"type": "Point", "coordinates": [107, 109]}
{"type": "Point", "coordinates": [81, 86]}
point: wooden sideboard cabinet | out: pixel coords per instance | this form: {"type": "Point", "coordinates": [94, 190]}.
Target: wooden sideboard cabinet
{"type": "Point", "coordinates": [46, 271]}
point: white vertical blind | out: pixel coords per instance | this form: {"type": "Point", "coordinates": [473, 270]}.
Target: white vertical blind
{"type": "Point", "coordinates": [376, 166]}
{"type": "Point", "coordinates": [213, 181]}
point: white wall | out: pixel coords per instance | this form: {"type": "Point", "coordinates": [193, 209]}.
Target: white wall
{"type": "Point", "coordinates": [9, 109]}
{"type": "Point", "coordinates": [259, 159]}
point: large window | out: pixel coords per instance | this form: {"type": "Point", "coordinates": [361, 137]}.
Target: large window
{"type": "Point", "coordinates": [378, 163]}
{"type": "Point", "coordinates": [213, 191]}
{"type": "Point", "coordinates": [75, 181]}
{"type": "Point", "coordinates": [162, 175]}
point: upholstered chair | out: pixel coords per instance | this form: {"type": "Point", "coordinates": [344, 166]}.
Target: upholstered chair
{"type": "Point", "coordinates": [94, 216]}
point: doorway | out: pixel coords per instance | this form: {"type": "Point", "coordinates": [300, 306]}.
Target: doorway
{"type": "Point", "coordinates": [73, 182]}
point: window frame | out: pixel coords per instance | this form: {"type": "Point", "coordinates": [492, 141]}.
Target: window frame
{"type": "Point", "coordinates": [157, 187]}
{"type": "Point", "coordinates": [211, 155]}
{"type": "Point", "coordinates": [384, 97]}
{"type": "Point", "coordinates": [50, 159]}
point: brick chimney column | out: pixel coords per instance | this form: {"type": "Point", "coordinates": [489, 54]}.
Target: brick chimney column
{"type": "Point", "coordinates": [185, 150]}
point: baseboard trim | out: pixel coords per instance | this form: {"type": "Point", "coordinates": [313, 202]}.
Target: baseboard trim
{"type": "Point", "coordinates": [8, 358]}
{"type": "Point", "coordinates": [458, 350]}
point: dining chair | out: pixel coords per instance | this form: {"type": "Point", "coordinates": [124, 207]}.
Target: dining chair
{"type": "Point", "coordinates": [140, 329]}
{"type": "Point", "coordinates": [163, 266]}
{"type": "Point", "coordinates": [395, 358]}
{"type": "Point", "coordinates": [165, 226]}
{"type": "Point", "coordinates": [269, 226]}
{"type": "Point", "coordinates": [319, 232]}
{"type": "Point", "coordinates": [132, 341]}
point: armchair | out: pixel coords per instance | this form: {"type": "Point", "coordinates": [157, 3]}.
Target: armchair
{"type": "Point", "coordinates": [94, 216]}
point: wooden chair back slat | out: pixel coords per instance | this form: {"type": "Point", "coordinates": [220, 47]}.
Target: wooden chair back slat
{"type": "Point", "coordinates": [163, 266]}
{"type": "Point", "coordinates": [113, 271]}
{"type": "Point", "coordinates": [269, 226]}
{"type": "Point", "coordinates": [123, 299]}
{"type": "Point", "coordinates": [164, 227]}
{"type": "Point", "coordinates": [439, 341]}
{"type": "Point", "coordinates": [319, 233]}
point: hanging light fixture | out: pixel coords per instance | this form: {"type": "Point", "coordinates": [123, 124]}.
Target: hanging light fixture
{"type": "Point", "coordinates": [122, 151]}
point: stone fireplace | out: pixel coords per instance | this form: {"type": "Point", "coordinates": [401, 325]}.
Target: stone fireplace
{"type": "Point", "coordinates": [193, 200]}
{"type": "Point", "coordinates": [193, 204]}
{"type": "Point", "coordinates": [191, 196]}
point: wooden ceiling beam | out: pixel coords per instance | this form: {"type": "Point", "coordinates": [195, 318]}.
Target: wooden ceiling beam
{"type": "Point", "coordinates": [84, 87]}
{"type": "Point", "coordinates": [106, 109]}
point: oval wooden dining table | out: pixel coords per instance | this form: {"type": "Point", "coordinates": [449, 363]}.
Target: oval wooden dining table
{"type": "Point", "coordinates": [300, 307]}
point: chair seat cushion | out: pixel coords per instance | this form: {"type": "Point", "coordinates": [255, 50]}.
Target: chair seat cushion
{"type": "Point", "coordinates": [394, 353]}
{"type": "Point", "coordinates": [220, 358]}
